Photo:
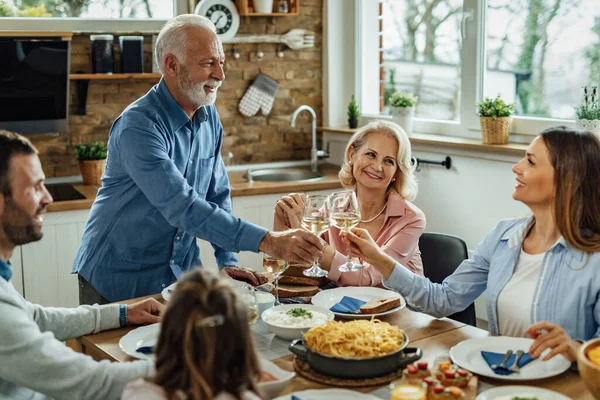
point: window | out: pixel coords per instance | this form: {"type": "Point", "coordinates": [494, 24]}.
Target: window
{"type": "Point", "coordinates": [451, 53]}
{"type": "Point", "coordinates": [88, 15]}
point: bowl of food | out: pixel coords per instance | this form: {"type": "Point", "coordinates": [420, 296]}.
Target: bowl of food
{"type": "Point", "coordinates": [358, 349]}
{"type": "Point", "coordinates": [290, 321]}
{"type": "Point", "coordinates": [272, 379]}
{"type": "Point", "coordinates": [588, 363]}
{"type": "Point", "coordinates": [264, 301]}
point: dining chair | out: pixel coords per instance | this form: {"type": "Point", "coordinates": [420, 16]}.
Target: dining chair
{"type": "Point", "coordinates": [441, 255]}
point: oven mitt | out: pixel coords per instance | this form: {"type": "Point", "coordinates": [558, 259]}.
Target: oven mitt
{"type": "Point", "coordinates": [260, 95]}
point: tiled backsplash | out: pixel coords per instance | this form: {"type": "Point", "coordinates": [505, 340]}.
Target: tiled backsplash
{"type": "Point", "coordinates": [251, 140]}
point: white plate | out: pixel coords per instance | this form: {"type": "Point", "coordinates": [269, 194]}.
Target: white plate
{"type": "Point", "coordinates": [142, 336]}
{"type": "Point", "coordinates": [166, 292]}
{"type": "Point", "coordinates": [327, 298]}
{"type": "Point", "coordinates": [268, 390]}
{"type": "Point", "coordinates": [329, 394]}
{"type": "Point", "coordinates": [508, 392]}
{"type": "Point", "coordinates": [467, 354]}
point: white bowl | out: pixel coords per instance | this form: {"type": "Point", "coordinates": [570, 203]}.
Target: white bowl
{"type": "Point", "coordinates": [289, 333]}
{"type": "Point", "coordinates": [264, 301]}
{"type": "Point", "coordinates": [269, 390]}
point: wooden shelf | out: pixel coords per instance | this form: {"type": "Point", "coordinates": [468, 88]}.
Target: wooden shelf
{"type": "Point", "coordinates": [79, 77]}
{"type": "Point", "coordinates": [64, 35]}
{"type": "Point", "coordinates": [246, 8]}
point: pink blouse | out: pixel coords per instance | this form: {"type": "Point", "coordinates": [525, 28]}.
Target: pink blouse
{"type": "Point", "coordinates": [398, 237]}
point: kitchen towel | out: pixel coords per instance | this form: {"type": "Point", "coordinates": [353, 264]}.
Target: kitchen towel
{"type": "Point", "coordinates": [259, 96]}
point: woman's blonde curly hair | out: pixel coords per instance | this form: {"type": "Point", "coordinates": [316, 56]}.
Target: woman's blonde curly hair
{"type": "Point", "coordinates": [406, 183]}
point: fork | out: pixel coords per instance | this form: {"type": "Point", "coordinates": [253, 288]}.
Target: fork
{"type": "Point", "coordinates": [515, 367]}
{"type": "Point", "coordinates": [502, 364]}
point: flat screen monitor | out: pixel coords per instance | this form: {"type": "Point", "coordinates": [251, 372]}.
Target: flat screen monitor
{"type": "Point", "coordinates": [34, 85]}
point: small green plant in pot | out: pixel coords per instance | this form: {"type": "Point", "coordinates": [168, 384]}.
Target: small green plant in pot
{"type": "Point", "coordinates": [588, 112]}
{"type": "Point", "coordinates": [495, 117]}
{"type": "Point", "coordinates": [403, 109]}
{"type": "Point", "coordinates": [92, 159]}
{"type": "Point", "coordinates": [353, 113]}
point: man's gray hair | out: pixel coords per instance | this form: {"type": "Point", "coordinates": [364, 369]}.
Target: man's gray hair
{"type": "Point", "coordinates": [173, 36]}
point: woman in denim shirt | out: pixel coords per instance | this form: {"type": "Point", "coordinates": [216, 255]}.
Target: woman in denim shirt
{"type": "Point", "coordinates": [541, 272]}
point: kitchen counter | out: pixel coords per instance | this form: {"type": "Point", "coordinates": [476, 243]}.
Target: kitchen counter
{"type": "Point", "coordinates": [239, 187]}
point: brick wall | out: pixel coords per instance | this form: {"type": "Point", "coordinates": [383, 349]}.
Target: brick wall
{"type": "Point", "coordinates": [251, 140]}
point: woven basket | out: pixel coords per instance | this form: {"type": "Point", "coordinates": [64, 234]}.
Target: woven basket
{"type": "Point", "coordinates": [495, 131]}
{"type": "Point", "coordinates": [91, 171]}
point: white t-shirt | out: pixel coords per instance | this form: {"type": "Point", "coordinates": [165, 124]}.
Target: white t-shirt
{"type": "Point", "coordinates": [141, 389]}
{"type": "Point", "coordinates": [516, 299]}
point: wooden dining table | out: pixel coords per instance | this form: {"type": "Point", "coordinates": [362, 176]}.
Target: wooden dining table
{"type": "Point", "coordinates": [435, 337]}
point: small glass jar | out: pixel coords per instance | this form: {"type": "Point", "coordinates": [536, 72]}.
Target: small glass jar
{"type": "Point", "coordinates": [405, 391]}
{"type": "Point", "coordinates": [283, 6]}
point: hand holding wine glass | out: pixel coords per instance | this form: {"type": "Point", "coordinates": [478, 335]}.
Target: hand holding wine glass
{"type": "Point", "coordinates": [345, 213]}
{"type": "Point", "coordinates": [315, 218]}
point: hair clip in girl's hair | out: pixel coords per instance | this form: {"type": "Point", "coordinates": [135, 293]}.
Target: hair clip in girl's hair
{"type": "Point", "coordinates": [212, 321]}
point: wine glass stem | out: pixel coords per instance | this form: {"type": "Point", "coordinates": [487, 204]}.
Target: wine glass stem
{"type": "Point", "coordinates": [349, 253]}
{"type": "Point", "coordinates": [276, 276]}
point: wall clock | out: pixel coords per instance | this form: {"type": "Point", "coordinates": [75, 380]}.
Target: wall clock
{"type": "Point", "coordinates": [223, 14]}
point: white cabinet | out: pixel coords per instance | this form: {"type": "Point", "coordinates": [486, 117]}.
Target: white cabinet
{"type": "Point", "coordinates": [17, 267]}
{"type": "Point", "coordinates": [255, 209]}
{"type": "Point", "coordinates": [47, 264]}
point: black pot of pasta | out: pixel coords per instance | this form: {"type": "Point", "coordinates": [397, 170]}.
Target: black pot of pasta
{"type": "Point", "coordinates": [357, 368]}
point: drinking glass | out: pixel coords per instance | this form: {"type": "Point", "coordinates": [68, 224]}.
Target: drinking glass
{"type": "Point", "coordinates": [247, 294]}
{"type": "Point", "coordinates": [315, 218]}
{"type": "Point", "coordinates": [276, 266]}
{"type": "Point", "coordinates": [345, 213]}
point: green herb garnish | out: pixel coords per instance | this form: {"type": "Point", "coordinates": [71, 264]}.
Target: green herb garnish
{"type": "Point", "coordinates": [299, 313]}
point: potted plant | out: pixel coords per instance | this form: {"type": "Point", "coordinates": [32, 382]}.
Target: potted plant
{"type": "Point", "coordinates": [403, 109]}
{"type": "Point", "coordinates": [495, 117]}
{"type": "Point", "coordinates": [92, 159]}
{"type": "Point", "coordinates": [588, 113]}
{"type": "Point", "coordinates": [353, 113]}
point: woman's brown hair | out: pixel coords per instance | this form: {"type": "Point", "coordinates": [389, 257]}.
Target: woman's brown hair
{"type": "Point", "coordinates": [575, 156]}
{"type": "Point", "coordinates": [199, 358]}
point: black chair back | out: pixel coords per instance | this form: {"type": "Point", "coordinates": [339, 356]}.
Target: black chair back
{"type": "Point", "coordinates": [441, 255]}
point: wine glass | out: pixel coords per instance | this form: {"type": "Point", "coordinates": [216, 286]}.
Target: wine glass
{"type": "Point", "coordinates": [276, 266]}
{"type": "Point", "coordinates": [315, 218]}
{"type": "Point", "coordinates": [248, 296]}
{"type": "Point", "coordinates": [345, 213]}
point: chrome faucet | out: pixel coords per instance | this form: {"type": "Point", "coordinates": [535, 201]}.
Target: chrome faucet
{"type": "Point", "coordinates": [315, 154]}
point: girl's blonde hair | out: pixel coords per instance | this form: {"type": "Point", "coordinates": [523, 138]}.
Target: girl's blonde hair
{"type": "Point", "coordinates": [406, 183]}
{"type": "Point", "coordinates": [203, 359]}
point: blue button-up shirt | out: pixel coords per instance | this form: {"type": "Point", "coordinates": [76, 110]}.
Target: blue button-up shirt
{"type": "Point", "coordinates": [567, 292]}
{"type": "Point", "coordinates": [5, 270]}
{"type": "Point", "coordinates": [164, 185]}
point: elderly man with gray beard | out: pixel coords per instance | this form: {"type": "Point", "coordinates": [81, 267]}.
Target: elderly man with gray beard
{"type": "Point", "coordinates": [165, 182]}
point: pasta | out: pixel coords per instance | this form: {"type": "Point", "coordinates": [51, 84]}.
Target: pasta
{"type": "Point", "coordinates": [354, 339]}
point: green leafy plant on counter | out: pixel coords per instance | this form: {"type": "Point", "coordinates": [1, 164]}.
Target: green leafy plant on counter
{"type": "Point", "coordinates": [403, 99]}
{"type": "Point", "coordinates": [95, 151]}
{"type": "Point", "coordinates": [590, 108]}
{"type": "Point", "coordinates": [495, 108]}
{"type": "Point", "coordinates": [353, 112]}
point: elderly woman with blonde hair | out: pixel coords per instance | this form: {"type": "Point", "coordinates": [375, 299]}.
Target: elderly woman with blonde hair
{"type": "Point", "coordinates": [378, 166]}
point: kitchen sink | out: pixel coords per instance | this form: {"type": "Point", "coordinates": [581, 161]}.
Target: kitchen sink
{"type": "Point", "coordinates": [282, 175]}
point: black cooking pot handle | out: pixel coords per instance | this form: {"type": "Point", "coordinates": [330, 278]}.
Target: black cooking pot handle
{"type": "Point", "coordinates": [410, 350]}
{"type": "Point", "coordinates": [298, 348]}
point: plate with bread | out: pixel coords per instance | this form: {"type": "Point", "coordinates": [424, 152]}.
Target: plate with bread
{"type": "Point", "coordinates": [378, 301]}
{"type": "Point", "coordinates": [293, 283]}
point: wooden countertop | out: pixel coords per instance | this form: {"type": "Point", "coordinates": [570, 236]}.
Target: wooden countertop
{"type": "Point", "coordinates": [239, 187]}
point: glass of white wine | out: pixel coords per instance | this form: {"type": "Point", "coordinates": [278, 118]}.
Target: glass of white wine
{"type": "Point", "coordinates": [276, 266]}
{"type": "Point", "coordinates": [315, 218]}
{"type": "Point", "coordinates": [248, 296]}
{"type": "Point", "coordinates": [345, 213]}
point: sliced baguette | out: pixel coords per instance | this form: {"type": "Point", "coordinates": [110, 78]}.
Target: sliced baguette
{"type": "Point", "coordinates": [286, 290]}
{"type": "Point", "coordinates": [381, 305]}
{"type": "Point", "coordinates": [299, 280]}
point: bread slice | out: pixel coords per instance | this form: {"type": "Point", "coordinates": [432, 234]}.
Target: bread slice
{"type": "Point", "coordinates": [381, 305]}
{"type": "Point", "coordinates": [299, 280]}
{"type": "Point", "coordinates": [286, 290]}
{"type": "Point", "coordinates": [297, 271]}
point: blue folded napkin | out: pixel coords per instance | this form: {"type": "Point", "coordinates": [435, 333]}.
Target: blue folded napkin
{"type": "Point", "coordinates": [496, 358]}
{"type": "Point", "coordinates": [295, 397]}
{"type": "Point", "coordinates": [347, 305]}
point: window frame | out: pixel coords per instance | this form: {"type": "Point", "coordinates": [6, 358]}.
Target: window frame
{"type": "Point", "coordinates": [473, 53]}
{"type": "Point", "coordinates": [90, 24]}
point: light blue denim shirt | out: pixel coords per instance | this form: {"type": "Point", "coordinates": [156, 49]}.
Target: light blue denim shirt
{"type": "Point", "coordinates": [164, 186]}
{"type": "Point", "coordinates": [567, 292]}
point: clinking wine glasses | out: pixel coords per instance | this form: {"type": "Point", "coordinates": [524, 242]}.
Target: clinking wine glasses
{"type": "Point", "coordinates": [345, 213]}
{"type": "Point", "coordinates": [315, 218]}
